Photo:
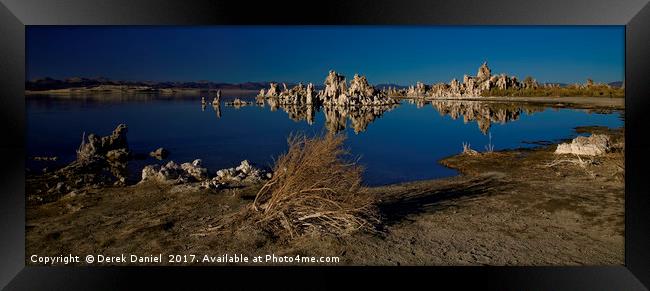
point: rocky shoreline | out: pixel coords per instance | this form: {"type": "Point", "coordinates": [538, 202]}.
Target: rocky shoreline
{"type": "Point", "coordinates": [507, 208]}
{"type": "Point", "coordinates": [102, 162]}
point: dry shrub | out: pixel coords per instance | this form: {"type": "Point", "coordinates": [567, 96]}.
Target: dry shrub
{"type": "Point", "coordinates": [582, 163]}
{"type": "Point", "coordinates": [315, 188]}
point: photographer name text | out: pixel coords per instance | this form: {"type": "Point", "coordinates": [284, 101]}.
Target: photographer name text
{"type": "Point", "coordinates": [99, 259]}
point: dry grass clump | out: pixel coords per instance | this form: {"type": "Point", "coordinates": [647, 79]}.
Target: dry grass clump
{"type": "Point", "coordinates": [467, 150]}
{"type": "Point", "coordinates": [315, 188]}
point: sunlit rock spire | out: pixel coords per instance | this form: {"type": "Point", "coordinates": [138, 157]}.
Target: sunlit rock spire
{"type": "Point", "coordinates": [484, 72]}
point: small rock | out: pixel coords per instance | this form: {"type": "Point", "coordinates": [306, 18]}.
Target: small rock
{"type": "Point", "coordinates": [244, 173]}
{"type": "Point", "coordinates": [160, 153]}
{"type": "Point", "coordinates": [596, 144]}
{"type": "Point", "coordinates": [212, 184]}
{"type": "Point", "coordinates": [195, 170]}
{"type": "Point", "coordinates": [150, 172]}
{"type": "Point", "coordinates": [173, 173]}
{"type": "Point", "coordinates": [120, 182]}
{"type": "Point", "coordinates": [245, 167]}
{"type": "Point", "coordinates": [226, 173]}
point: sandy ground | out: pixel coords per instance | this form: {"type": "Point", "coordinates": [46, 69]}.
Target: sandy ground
{"type": "Point", "coordinates": [507, 208]}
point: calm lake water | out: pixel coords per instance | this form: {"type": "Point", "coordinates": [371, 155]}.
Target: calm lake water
{"type": "Point", "coordinates": [397, 144]}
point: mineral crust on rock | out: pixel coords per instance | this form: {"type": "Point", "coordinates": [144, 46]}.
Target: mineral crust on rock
{"type": "Point", "coordinates": [471, 86]}
{"type": "Point", "coordinates": [594, 145]}
{"type": "Point", "coordinates": [245, 173]}
{"type": "Point", "coordinates": [172, 173]}
{"type": "Point", "coordinates": [336, 92]}
{"type": "Point", "coordinates": [93, 146]}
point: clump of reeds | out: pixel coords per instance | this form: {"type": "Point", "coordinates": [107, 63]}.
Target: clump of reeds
{"type": "Point", "coordinates": [467, 150]}
{"type": "Point", "coordinates": [489, 148]}
{"type": "Point", "coordinates": [315, 188]}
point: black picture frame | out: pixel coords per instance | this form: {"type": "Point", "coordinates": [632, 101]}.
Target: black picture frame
{"type": "Point", "coordinates": [16, 14]}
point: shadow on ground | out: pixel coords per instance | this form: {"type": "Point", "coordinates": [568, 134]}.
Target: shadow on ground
{"type": "Point", "coordinates": [402, 204]}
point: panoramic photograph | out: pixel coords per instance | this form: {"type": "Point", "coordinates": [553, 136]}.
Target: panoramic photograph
{"type": "Point", "coordinates": [325, 145]}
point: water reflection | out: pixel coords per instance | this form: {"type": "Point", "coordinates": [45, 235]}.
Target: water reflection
{"type": "Point", "coordinates": [484, 113]}
{"type": "Point", "coordinates": [336, 117]}
{"type": "Point", "coordinates": [217, 109]}
{"type": "Point", "coordinates": [360, 117]}
{"type": "Point", "coordinates": [297, 112]}
{"type": "Point", "coordinates": [419, 102]}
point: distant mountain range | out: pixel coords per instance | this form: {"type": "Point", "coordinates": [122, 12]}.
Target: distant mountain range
{"type": "Point", "coordinates": [616, 84]}
{"type": "Point", "coordinates": [80, 82]}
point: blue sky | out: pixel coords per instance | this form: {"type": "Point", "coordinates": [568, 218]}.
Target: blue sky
{"type": "Point", "coordinates": [385, 54]}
